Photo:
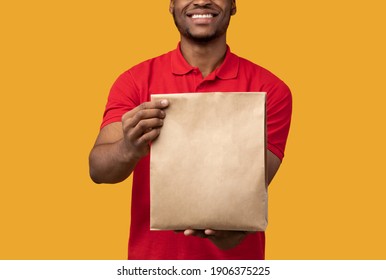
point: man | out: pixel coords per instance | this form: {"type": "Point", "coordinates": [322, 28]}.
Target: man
{"type": "Point", "coordinates": [202, 62]}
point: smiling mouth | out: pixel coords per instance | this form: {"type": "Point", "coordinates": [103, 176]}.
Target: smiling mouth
{"type": "Point", "coordinates": [202, 16]}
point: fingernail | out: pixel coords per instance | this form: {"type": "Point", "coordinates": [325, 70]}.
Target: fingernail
{"type": "Point", "coordinates": [164, 102]}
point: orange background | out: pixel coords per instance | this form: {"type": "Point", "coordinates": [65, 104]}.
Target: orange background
{"type": "Point", "coordinates": [59, 59]}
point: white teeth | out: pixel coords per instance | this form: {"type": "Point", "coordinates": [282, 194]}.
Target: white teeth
{"type": "Point", "coordinates": [202, 16]}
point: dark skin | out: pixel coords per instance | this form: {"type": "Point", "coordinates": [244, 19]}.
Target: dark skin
{"type": "Point", "coordinates": [120, 145]}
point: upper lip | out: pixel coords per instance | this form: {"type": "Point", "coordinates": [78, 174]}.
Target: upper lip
{"type": "Point", "coordinates": [202, 12]}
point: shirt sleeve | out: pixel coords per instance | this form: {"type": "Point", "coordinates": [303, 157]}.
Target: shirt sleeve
{"type": "Point", "coordinates": [279, 111]}
{"type": "Point", "coordinates": [123, 97]}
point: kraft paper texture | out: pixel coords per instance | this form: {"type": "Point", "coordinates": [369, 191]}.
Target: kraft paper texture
{"type": "Point", "coordinates": [207, 167]}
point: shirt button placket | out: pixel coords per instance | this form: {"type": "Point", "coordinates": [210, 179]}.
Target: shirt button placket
{"type": "Point", "coordinates": [197, 79]}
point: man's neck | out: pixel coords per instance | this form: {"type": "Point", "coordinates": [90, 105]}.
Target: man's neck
{"type": "Point", "coordinates": [206, 56]}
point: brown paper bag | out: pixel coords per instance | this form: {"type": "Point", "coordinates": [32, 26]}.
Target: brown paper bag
{"type": "Point", "coordinates": [207, 167]}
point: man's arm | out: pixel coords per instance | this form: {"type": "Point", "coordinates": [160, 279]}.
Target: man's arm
{"type": "Point", "coordinates": [229, 239]}
{"type": "Point", "coordinates": [273, 164]}
{"type": "Point", "coordinates": [120, 145]}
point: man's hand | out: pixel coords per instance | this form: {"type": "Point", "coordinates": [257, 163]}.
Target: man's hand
{"type": "Point", "coordinates": [141, 126]}
{"type": "Point", "coordinates": [224, 240]}
{"type": "Point", "coordinates": [120, 145]}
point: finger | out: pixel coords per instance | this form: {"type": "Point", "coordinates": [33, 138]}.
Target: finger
{"type": "Point", "coordinates": [148, 137]}
{"type": "Point", "coordinates": [154, 106]}
{"type": "Point", "coordinates": [189, 232]}
{"type": "Point", "coordinates": [145, 126]}
{"type": "Point", "coordinates": [210, 232]}
{"type": "Point", "coordinates": [158, 104]}
{"type": "Point", "coordinates": [130, 120]}
{"type": "Point", "coordinates": [197, 233]}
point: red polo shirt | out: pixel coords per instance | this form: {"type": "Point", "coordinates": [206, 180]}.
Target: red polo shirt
{"type": "Point", "coordinates": [170, 73]}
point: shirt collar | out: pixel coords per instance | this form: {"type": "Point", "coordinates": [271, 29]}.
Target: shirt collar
{"type": "Point", "coordinates": [227, 70]}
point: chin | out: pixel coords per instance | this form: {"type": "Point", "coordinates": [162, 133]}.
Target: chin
{"type": "Point", "coordinates": [202, 38]}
